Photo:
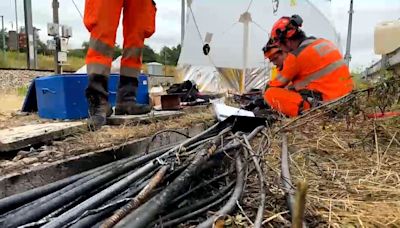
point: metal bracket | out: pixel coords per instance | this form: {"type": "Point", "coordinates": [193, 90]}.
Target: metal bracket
{"type": "Point", "coordinates": [161, 161]}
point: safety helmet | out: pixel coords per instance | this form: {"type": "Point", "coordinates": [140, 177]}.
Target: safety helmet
{"type": "Point", "coordinates": [285, 28]}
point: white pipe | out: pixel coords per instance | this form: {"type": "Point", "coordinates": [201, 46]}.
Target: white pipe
{"type": "Point", "coordinates": [245, 55]}
{"type": "Point", "coordinates": [245, 18]}
{"type": "Point", "coordinates": [347, 56]}
{"type": "Point", "coordinates": [182, 22]}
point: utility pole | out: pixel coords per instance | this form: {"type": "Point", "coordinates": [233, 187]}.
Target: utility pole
{"type": "Point", "coordinates": [347, 56]}
{"type": "Point", "coordinates": [29, 31]}
{"type": "Point", "coordinates": [3, 37]}
{"type": "Point", "coordinates": [35, 43]}
{"type": "Point", "coordinates": [16, 25]}
{"type": "Point", "coordinates": [182, 22]}
{"type": "Point", "coordinates": [57, 67]}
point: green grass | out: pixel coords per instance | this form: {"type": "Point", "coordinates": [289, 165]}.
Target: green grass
{"type": "Point", "coordinates": [22, 91]}
{"type": "Point", "coordinates": [46, 62]}
{"type": "Point", "coordinates": [359, 83]}
{"type": "Point", "coordinates": [18, 60]}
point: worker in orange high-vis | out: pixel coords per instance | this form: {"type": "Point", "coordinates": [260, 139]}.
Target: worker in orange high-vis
{"type": "Point", "coordinates": [275, 55]}
{"type": "Point", "coordinates": [102, 19]}
{"type": "Point", "coordinates": [313, 71]}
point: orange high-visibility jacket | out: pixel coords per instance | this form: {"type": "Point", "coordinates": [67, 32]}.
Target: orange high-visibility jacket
{"type": "Point", "coordinates": [102, 18]}
{"type": "Point", "coordinates": [316, 65]}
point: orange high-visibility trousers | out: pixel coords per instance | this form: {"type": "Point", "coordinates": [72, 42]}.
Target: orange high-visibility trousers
{"type": "Point", "coordinates": [288, 102]}
{"type": "Point", "coordinates": [102, 19]}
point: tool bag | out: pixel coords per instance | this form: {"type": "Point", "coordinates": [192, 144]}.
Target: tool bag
{"type": "Point", "coordinates": [186, 90]}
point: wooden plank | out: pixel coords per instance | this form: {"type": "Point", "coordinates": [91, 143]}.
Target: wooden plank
{"type": "Point", "coordinates": [16, 138]}
{"type": "Point", "coordinates": [146, 118]}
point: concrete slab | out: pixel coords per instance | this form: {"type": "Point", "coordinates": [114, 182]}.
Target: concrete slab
{"type": "Point", "coordinates": [48, 173]}
{"type": "Point", "coordinates": [16, 138]}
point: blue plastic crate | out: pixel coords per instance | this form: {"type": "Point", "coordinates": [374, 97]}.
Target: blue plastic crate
{"type": "Point", "coordinates": [63, 96]}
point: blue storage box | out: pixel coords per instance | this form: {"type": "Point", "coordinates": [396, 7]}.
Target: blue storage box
{"type": "Point", "coordinates": [63, 96]}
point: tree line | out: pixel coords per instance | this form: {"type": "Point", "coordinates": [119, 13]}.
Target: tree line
{"type": "Point", "coordinates": [166, 56]}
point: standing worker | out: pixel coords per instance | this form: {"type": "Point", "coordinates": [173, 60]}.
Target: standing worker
{"type": "Point", "coordinates": [102, 19]}
{"type": "Point", "coordinates": [314, 69]}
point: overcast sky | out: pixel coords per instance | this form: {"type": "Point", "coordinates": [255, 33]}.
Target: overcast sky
{"type": "Point", "coordinates": [367, 14]}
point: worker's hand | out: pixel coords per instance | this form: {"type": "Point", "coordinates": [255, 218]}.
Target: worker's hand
{"type": "Point", "coordinates": [257, 103]}
{"type": "Point", "coordinates": [291, 87]}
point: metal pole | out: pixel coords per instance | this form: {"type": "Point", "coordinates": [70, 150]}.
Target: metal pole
{"type": "Point", "coordinates": [57, 67]}
{"type": "Point", "coordinates": [245, 56]}
{"type": "Point", "coordinates": [35, 31]}
{"type": "Point", "coordinates": [347, 56]}
{"type": "Point", "coordinates": [4, 38]}
{"type": "Point", "coordinates": [16, 25]}
{"type": "Point", "coordinates": [245, 18]}
{"type": "Point", "coordinates": [182, 22]}
{"type": "Point", "coordinates": [29, 31]}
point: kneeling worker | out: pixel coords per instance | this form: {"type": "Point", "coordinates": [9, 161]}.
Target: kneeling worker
{"type": "Point", "coordinates": [314, 70]}
{"type": "Point", "coordinates": [275, 55]}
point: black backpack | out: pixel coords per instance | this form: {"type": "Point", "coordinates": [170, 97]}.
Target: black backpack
{"type": "Point", "coordinates": [186, 90]}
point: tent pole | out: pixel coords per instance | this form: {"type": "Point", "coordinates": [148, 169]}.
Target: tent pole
{"type": "Point", "coordinates": [245, 18]}
{"type": "Point", "coordinates": [347, 56]}
{"type": "Point", "coordinates": [182, 21]}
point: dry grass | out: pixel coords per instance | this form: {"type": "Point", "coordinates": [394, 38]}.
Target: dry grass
{"type": "Point", "coordinates": [353, 174]}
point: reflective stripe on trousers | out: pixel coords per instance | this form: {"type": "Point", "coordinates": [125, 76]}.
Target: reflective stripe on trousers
{"type": "Point", "coordinates": [97, 68]}
{"type": "Point", "coordinates": [101, 47]}
{"type": "Point", "coordinates": [131, 61]}
{"type": "Point", "coordinates": [129, 71]}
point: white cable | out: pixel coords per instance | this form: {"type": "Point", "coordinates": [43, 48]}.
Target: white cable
{"type": "Point", "coordinates": [195, 24]}
{"type": "Point", "coordinates": [76, 7]}
{"type": "Point", "coordinates": [248, 7]}
{"type": "Point", "coordinates": [224, 32]}
{"type": "Point", "coordinates": [201, 38]}
{"type": "Point", "coordinates": [259, 26]}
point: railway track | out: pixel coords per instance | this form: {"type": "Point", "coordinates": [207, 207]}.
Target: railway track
{"type": "Point", "coordinates": [38, 70]}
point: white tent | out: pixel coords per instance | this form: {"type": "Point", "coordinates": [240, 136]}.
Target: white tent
{"type": "Point", "coordinates": [221, 70]}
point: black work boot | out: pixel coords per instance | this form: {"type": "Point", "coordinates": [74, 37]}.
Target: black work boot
{"type": "Point", "coordinates": [126, 98]}
{"type": "Point", "coordinates": [97, 97]}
